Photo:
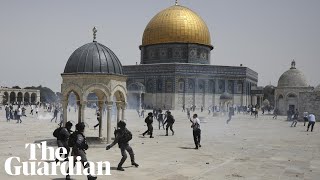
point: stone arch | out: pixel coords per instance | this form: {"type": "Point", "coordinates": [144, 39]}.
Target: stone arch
{"type": "Point", "coordinates": [6, 97]}
{"type": "Point", "coordinates": [19, 97]}
{"type": "Point", "coordinates": [33, 97]}
{"type": "Point", "coordinates": [119, 92]}
{"type": "Point", "coordinates": [100, 90]}
{"type": "Point", "coordinates": [12, 97]}
{"type": "Point", "coordinates": [291, 101]}
{"type": "Point", "coordinates": [137, 87]}
{"type": "Point", "coordinates": [26, 97]}
{"type": "Point", "coordinates": [291, 95]}
{"type": "Point", "coordinates": [72, 88]}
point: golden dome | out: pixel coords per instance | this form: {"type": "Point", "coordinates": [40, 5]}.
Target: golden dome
{"type": "Point", "coordinates": [176, 24]}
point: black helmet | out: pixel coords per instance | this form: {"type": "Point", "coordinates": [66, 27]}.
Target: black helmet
{"type": "Point", "coordinates": [122, 124]}
{"type": "Point", "coordinates": [150, 114]}
{"type": "Point", "coordinates": [69, 124]}
{"type": "Point", "coordinates": [80, 126]}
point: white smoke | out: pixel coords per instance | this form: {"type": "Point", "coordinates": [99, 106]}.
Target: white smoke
{"type": "Point", "coordinates": [47, 116]}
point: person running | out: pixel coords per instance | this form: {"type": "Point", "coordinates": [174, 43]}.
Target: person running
{"type": "Point", "coordinates": [62, 134]}
{"type": "Point", "coordinates": [295, 118]}
{"type": "Point", "coordinates": [7, 109]}
{"type": "Point", "coordinates": [149, 121]}
{"type": "Point", "coordinates": [142, 113]}
{"type": "Point", "coordinates": [55, 114]}
{"type": "Point", "coordinates": [79, 145]}
{"type": "Point", "coordinates": [122, 137]}
{"type": "Point", "coordinates": [169, 121]}
{"type": "Point", "coordinates": [312, 121]}
{"type": "Point", "coordinates": [31, 111]}
{"type": "Point", "coordinates": [231, 113]}
{"type": "Point", "coordinates": [196, 130]}
{"type": "Point", "coordinates": [161, 119]}
{"type": "Point", "coordinates": [23, 111]}
{"type": "Point", "coordinates": [188, 113]}
{"type": "Point", "coordinates": [275, 113]}
{"type": "Point", "coordinates": [37, 110]}
{"type": "Point", "coordinates": [98, 119]}
{"type": "Point", "coordinates": [19, 114]}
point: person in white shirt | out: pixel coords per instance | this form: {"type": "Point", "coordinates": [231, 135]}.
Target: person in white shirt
{"type": "Point", "coordinates": [312, 121]}
{"type": "Point", "coordinates": [19, 114]}
{"type": "Point", "coordinates": [196, 130]}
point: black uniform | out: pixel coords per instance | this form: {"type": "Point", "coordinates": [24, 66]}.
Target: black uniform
{"type": "Point", "coordinates": [78, 149]}
{"type": "Point", "coordinates": [62, 140]}
{"type": "Point", "coordinates": [169, 121]}
{"type": "Point", "coordinates": [123, 143]}
{"type": "Point", "coordinates": [149, 121]}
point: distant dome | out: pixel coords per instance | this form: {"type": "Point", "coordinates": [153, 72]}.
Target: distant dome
{"type": "Point", "coordinates": [93, 58]}
{"type": "Point", "coordinates": [226, 96]}
{"type": "Point", "coordinates": [317, 88]}
{"type": "Point", "coordinates": [292, 78]}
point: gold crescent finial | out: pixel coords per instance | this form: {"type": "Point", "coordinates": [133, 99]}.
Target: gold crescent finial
{"type": "Point", "coordinates": [176, 2]}
{"type": "Point", "coordinates": [94, 34]}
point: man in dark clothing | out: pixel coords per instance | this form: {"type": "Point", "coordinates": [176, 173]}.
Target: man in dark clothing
{"type": "Point", "coordinates": [196, 130]}
{"type": "Point", "coordinates": [55, 114]}
{"type": "Point", "coordinates": [149, 121]}
{"type": "Point", "coordinates": [169, 121]}
{"type": "Point", "coordinates": [231, 113]}
{"type": "Point", "coordinates": [79, 146]}
{"type": "Point", "coordinates": [7, 109]}
{"type": "Point", "coordinates": [122, 137]}
{"type": "Point", "coordinates": [295, 118]}
{"type": "Point", "coordinates": [98, 119]}
{"type": "Point", "coordinates": [63, 137]}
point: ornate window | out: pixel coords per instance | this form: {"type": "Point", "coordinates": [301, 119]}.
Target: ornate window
{"type": "Point", "coordinates": [181, 86]}
{"type": "Point", "coordinates": [169, 85]}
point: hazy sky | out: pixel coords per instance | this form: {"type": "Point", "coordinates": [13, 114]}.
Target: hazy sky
{"type": "Point", "coordinates": [37, 37]}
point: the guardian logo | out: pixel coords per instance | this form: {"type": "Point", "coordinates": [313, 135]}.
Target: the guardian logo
{"type": "Point", "coordinates": [49, 167]}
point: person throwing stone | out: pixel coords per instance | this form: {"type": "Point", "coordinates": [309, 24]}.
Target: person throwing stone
{"type": "Point", "coordinates": [169, 121]}
{"type": "Point", "coordinates": [149, 121]}
{"type": "Point", "coordinates": [196, 130]}
{"type": "Point", "coordinates": [122, 137]}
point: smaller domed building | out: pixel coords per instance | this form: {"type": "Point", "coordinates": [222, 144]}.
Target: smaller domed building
{"type": "Point", "coordinates": [290, 86]}
{"type": "Point", "coordinates": [94, 68]}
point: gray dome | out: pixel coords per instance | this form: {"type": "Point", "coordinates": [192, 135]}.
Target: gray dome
{"type": "Point", "coordinates": [292, 78]}
{"type": "Point", "coordinates": [93, 58]}
{"type": "Point", "coordinates": [317, 88]}
{"type": "Point", "coordinates": [226, 96]}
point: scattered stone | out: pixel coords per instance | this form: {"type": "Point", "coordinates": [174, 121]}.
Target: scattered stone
{"type": "Point", "coordinates": [207, 163]}
{"type": "Point", "coordinates": [236, 175]}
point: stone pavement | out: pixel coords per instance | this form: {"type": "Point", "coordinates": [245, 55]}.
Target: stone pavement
{"type": "Point", "coordinates": [246, 148]}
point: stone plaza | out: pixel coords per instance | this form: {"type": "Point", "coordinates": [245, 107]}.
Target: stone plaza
{"type": "Point", "coordinates": [246, 148]}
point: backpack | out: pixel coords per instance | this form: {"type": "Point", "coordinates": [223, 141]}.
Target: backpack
{"type": "Point", "coordinates": [56, 132]}
{"type": "Point", "coordinates": [72, 139]}
{"type": "Point", "coordinates": [126, 136]}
